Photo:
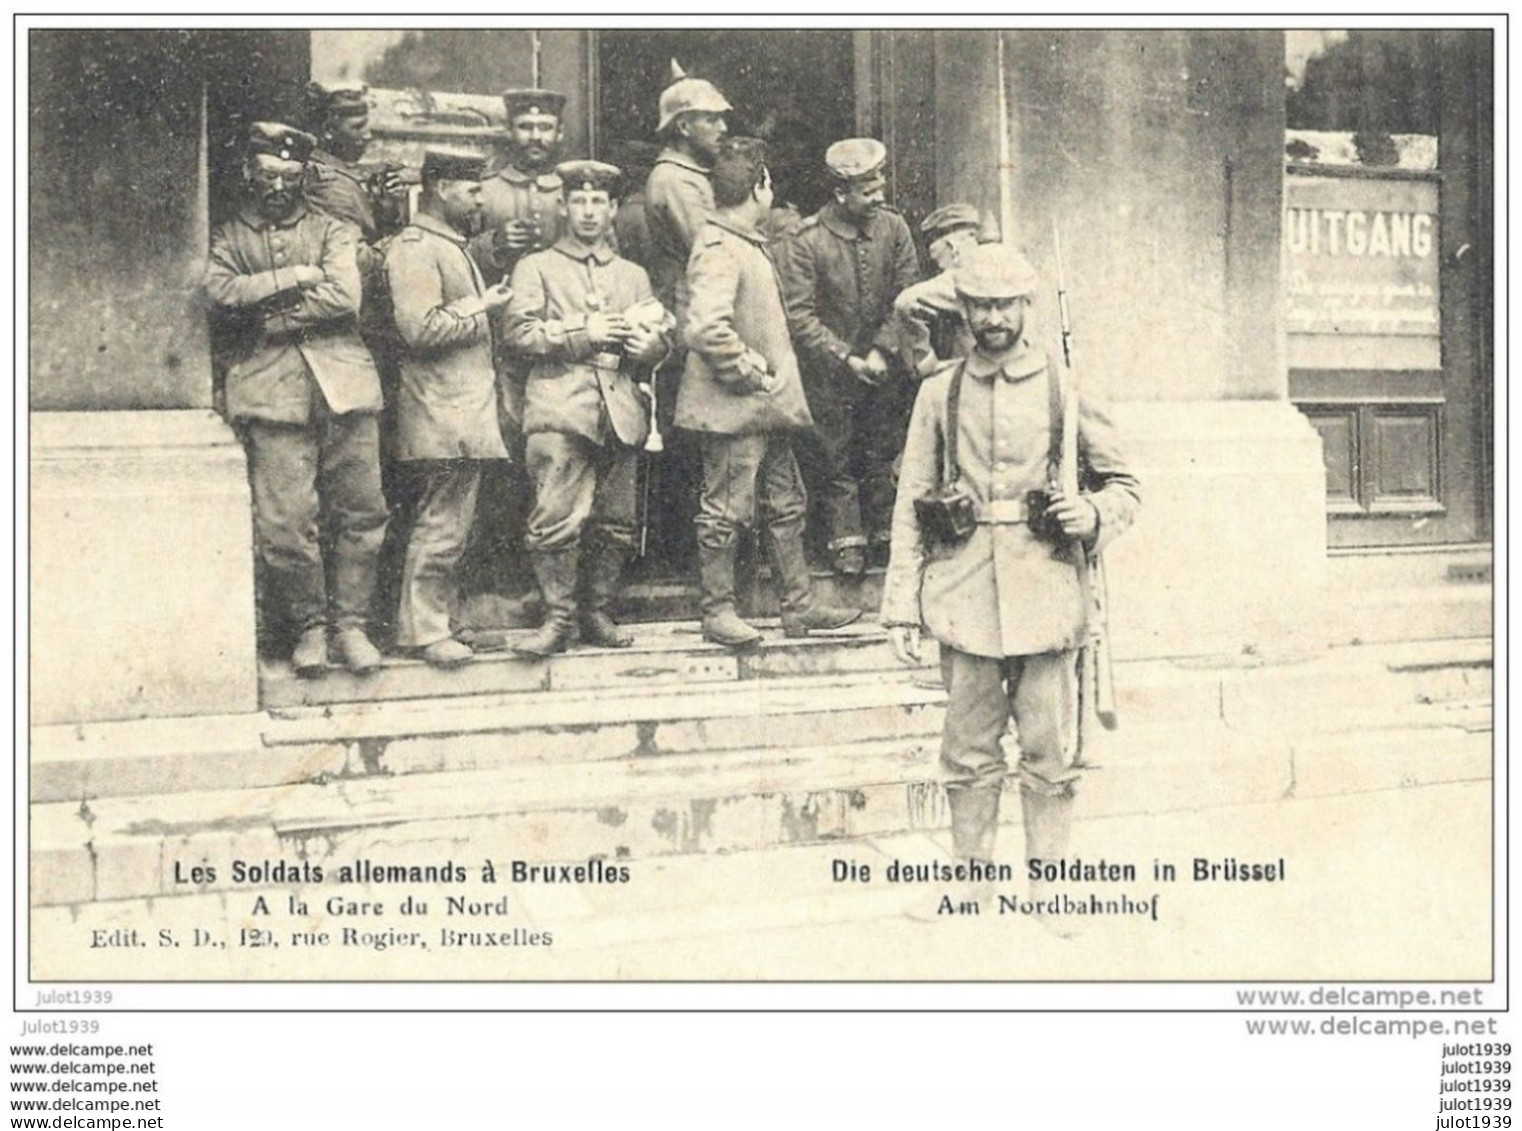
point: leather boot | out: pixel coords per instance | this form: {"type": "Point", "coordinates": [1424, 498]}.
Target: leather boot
{"type": "Point", "coordinates": [1048, 824]}
{"type": "Point", "coordinates": [721, 624]}
{"type": "Point", "coordinates": [974, 828]}
{"type": "Point", "coordinates": [801, 614]}
{"type": "Point", "coordinates": [355, 650]}
{"type": "Point", "coordinates": [556, 573]}
{"type": "Point", "coordinates": [602, 567]}
{"type": "Point", "coordinates": [310, 656]}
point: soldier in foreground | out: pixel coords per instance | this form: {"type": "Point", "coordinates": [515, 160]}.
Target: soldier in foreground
{"type": "Point", "coordinates": [742, 396]}
{"type": "Point", "coordinates": [840, 274]}
{"type": "Point", "coordinates": [304, 394]}
{"type": "Point", "coordinates": [586, 318]}
{"type": "Point", "coordinates": [927, 316]}
{"type": "Point", "coordinates": [447, 404]}
{"type": "Point", "coordinates": [996, 583]}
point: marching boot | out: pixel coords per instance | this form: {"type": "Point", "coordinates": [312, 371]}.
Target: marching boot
{"type": "Point", "coordinates": [974, 829]}
{"type": "Point", "coordinates": [1048, 824]}
{"type": "Point", "coordinates": [721, 624]}
{"type": "Point", "coordinates": [310, 657]}
{"type": "Point", "coordinates": [603, 566]}
{"type": "Point", "coordinates": [356, 651]}
{"type": "Point", "coordinates": [556, 573]}
{"type": "Point", "coordinates": [801, 614]}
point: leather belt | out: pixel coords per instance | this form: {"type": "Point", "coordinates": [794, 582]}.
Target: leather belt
{"type": "Point", "coordinates": [605, 360]}
{"type": "Point", "coordinates": [1003, 512]}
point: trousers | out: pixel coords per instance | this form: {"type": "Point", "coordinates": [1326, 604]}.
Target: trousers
{"type": "Point", "coordinates": [318, 485]}
{"type": "Point", "coordinates": [577, 481]}
{"type": "Point", "coordinates": [744, 476]}
{"type": "Point", "coordinates": [1040, 693]}
{"type": "Point", "coordinates": [858, 434]}
{"type": "Point", "coordinates": [446, 506]}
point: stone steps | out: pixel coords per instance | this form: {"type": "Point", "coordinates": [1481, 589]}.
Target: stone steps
{"type": "Point", "coordinates": [844, 699]}
{"type": "Point", "coordinates": [703, 800]}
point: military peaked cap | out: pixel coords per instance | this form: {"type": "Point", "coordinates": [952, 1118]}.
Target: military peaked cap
{"type": "Point", "coordinates": [452, 165]}
{"type": "Point", "coordinates": [993, 271]}
{"type": "Point", "coordinates": [589, 176]}
{"type": "Point", "coordinates": [855, 158]}
{"type": "Point", "coordinates": [949, 218]}
{"type": "Point", "coordinates": [340, 99]}
{"type": "Point", "coordinates": [531, 100]}
{"type": "Point", "coordinates": [276, 139]}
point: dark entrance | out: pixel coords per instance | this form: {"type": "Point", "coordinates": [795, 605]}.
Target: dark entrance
{"type": "Point", "coordinates": [796, 89]}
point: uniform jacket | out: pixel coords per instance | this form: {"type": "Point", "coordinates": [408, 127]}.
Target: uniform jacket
{"type": "Point", "coordinates": [736, 330]}
{"type": "Point", "coordinates": [251, 259]}
{"type": "Point", "coordinates": [339, 189]}
{"type": "Point", "coordinates": [1002, 592]}
{"type": "Point", "coordinates": [927, 320]}
{"type": "Point", "coordinates": [571, 387]}
{"type": "Point", "coordinates": [446, 401]}
{"type": "Point", "coordinates": [678, 202]}
{"type": "Point", "coordinates": [840, 282]}
{"type": "Point", "coordinates": [512, 194]}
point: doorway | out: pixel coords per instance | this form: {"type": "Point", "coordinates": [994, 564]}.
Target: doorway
{"type": "Point", "coordinates": [1387, 254]}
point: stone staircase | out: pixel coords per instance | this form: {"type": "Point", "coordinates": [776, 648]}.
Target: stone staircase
{"type": "Point", "coordinates": [677, 747]}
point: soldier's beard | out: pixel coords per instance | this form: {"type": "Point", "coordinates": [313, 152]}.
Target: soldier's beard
{"type": "Point", "coordinates": [276, 205]}
{"type": "Point", "coordinates": [995, 339]}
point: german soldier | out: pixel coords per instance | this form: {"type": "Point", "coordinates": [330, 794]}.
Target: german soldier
{"type": "Point", "coordinates": [678, 196]}
{"type": "Point", "coordinates": [585, 317]}
{"type": "Point", "coordinates": [1005, 598]}
{"type": "Point", "coordinates": [446, 404]}
{"type": "Point", "coordinates": [338, 114]}
{"type": "Point", "coordinates": [928, 316]}
{"type": "Point", "coordinates": [741, 394]}
{"type": "Point", "coordinates": [840, 275]}
{"type": "Point", "coordinates": [522, 198]}
{"type": "Point", "coordinates": [305, 395]}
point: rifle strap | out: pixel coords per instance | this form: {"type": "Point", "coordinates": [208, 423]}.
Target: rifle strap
{"type": "Point", "coordinates": [953, 425]}
{"type": "Point", "coordinates": [1055, 409]}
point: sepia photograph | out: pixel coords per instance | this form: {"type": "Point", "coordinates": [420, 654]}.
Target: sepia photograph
{"type": "Point", "coordinates": [759, 504]}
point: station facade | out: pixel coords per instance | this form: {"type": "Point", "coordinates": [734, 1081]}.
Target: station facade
{"type": "Point", "coordinates": [1284, 286]}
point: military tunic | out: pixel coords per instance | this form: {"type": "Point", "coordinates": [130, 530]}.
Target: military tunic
{"type": "Point", "coordinates": [306, 394]}
{"type": "Point", "coordinates": [741, 391]}
{"type": "Point", "coordinates": [839, 281]}
{"type": "Point", "coordinates": [1007, 607]}
{"type": "Point", "coordinates": [678, 201]}
{"type": "Point", "coordinates": [927, 319]}
{"type": "Point", "coordinates": [513, 194]}
{"type": "Point", "coordinates": [446, 412]}
{"type": "Point", "coordinates": [583, 415]}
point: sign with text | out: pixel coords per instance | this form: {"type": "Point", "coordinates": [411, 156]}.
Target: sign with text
{"type": "Point", "coordinates": [1361, 255]}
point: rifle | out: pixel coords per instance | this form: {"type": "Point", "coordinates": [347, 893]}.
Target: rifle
{"type": "Point", "coordinates": [1096, 674]}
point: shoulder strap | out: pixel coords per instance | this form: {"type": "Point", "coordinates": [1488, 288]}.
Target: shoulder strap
{"type": "Point", "coordinates": [953, 422]}
{"type": "Point", "coordinates": [1054, 401]}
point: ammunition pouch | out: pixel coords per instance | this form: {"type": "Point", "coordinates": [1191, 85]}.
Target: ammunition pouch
{"type": "Point", "coordinates": [947, 516]}
{"type": "Point", "coordinates": [1041, 520]}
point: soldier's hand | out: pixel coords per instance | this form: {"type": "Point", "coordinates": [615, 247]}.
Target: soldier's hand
{"type": "Point", "coordinates": [307, 275]}
{"type": "Point", "coordinates": [497, 295]}
{"type": "Point", "coordinates": [877, 365]}
{"type": "Point", "coordinates": [644, 344]}
{"type": "Point", "coordinates": [1078, 517]}
{"type": "Point", "coordinates": [515, 235]}
{"type": "Point", "coordinates": [905, 640]}
{"type": "Point", "coordinates": [604, 329]}
{"type": "Point", "coordinates": [861, 370]}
